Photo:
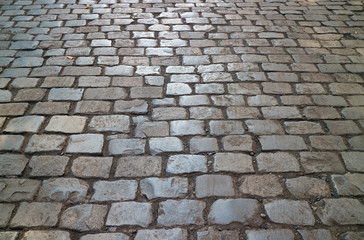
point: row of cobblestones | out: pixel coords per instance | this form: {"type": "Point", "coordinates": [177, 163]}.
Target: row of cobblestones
{"type": "Point", "coordinates": [181, 120]}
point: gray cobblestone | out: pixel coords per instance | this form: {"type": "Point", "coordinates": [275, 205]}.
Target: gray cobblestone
{"type": "Point", "coordinates": [129, 213]}
{"type": "Point", "coordinates": [63, 189]}
{"type": "Point", "coordinates": [36, 214]}
{"type": "Point", "coordinates": [84, 217]}
{"type": "Point", "coordinates": [164, 187]}
{"type": "Point", "coordinates": [115, 190]}
{"type": "Point", "coordinates": [182, 212]}
{"type": "Point", "coordinates": [12, 164]}
{"type": "Point", "coordinates": [225, 211]}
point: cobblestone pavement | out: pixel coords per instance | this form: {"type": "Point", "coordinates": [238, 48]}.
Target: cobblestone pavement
{"type": "Point", "coordinates": [182, 119]}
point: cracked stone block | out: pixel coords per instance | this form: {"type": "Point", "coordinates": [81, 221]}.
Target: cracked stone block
{"type": "Point", "coordinates": [181, 212]}
{"type": "Point", "coordinates": [127, 146]}
{"type": "Point", "coordinates": [307, 187]}
{"type": "Point", "coordinates": [159, 234]}
{"type": "Point", "coordinates": [36, 214]}
{"type": "Point", "coordinates": [343, 211]}
{"type": "Point", "coordinates": [24, 124]}
{"type": "Point", "coordinates": [135, 166]}
{"type": "Point", "coordinates": [179, 164]}
{"type": "Point", "coordinates": [48, 165]}
{"type": "Point", "coordinates": [233, 162]}
{"type": "Point", "coordinates": [277, 162]}
{"type": "Point", "coordinates": [5, 213]}
{"type": "Point", "coordinates": [218, 235]}
{"type": "Point", "coordinates": [45, 143]}
{"type": "Point", "coordinates": [281, 234]}
{"type": "Point", "coordinates": [353, 161]}
{"type": "Point", "coordinates": [290, 212]}
{"type": "Point", "coordinates": [85, 143]}
{"type": "Point", "coordinates": [349, 184]}
{"type": "Point", "coordinates": [130, 213]}
{"type": "Point", "coordinates": [237, 143]}
{"type": "Point", "coordinates": [167, 144]}
{"type": "Point", "coordinates": [112, 123]}
{"type": "Point", "coordinates": [316, 234]}
{"type": "Point", "coordinates": [8, 235]}
{"type": "Point", "coordinates": [261, 185]}
{"type": "Point", "coordinates": [214, 185]}
{"type": "Point", "coordinates": [66, 124]}
{"type": "Point", "coordinates": [173, 187]}
{"type": "Point", "coordinates": [84, 217]}
{"type": "Point", "coordinates": [321, 162]}
{"type": "Point", "coordinates": [11, 142]}
{"type": "Point", "coordinates": [46, 234]}
{"type": "Point", "coordinates": [13, 190]}
{"type": "Point", "coordinates": [226, 211]}
{"type": "Point", "coordinates": [114, 190]}
{"type": "Point", "coordinates": [12, 164]}
{"type": "Point", "coordinates": [105, 236]}
{"type": "Point", "coordinates": [92, 167]}
{"type": "Point", "coordinates": [63, 189]}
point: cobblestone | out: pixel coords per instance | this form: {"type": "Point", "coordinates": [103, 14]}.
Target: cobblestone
{"type": "Point", "coordinates": [176, 119]}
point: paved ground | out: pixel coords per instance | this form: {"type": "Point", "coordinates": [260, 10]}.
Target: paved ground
{"type": "Point", "coordinates": [173, 119]}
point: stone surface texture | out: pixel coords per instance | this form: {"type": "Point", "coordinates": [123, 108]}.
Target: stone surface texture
{"type": "Point", "coordinates": [181, 119]}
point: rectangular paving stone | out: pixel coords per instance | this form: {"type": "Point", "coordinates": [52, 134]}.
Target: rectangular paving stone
{"type": "Point", "coordinates": [138, 166]}
{"type": "Point", "coordinates": [11, 142]}
{"type": "Point", "coordinates": [181, 212]}
{"type": "Point", "coordinates": [87, 167]}
{"type": "Point", "coordinates": [133, 106]}
{"type": "Point", "coordinates": [46, 71]}
{"type": "Point", "coordinates": [44, 143]}
{"type": "Point", "coordinates": [47, 234]}
{"type": "Point", "coordinates": [241, 210]}
{"type": "Point", "coordinates": [279, 142]}
{"type": "Point", "coordinates": [114, 123]}
{"type": "Point", "coordinates": [52, 82]}
{"type": "Point", "coordinates": [353, 161]}
{"type": "Point", "coordinates": [81, 71]}
{"type": "Point", "coordinates": [69, 94]}
{"type": "Point", "coordinates": [50, 108]}
{"type": "Point", "coordinates": [282, 234]}
{"type": "Point", "coordinates": [5, 214]}
{"type": "Point", "coordinates": [127, 146]}
{"type": "Point", "coordinates": [277, 162]}
{"type": "Point", "coordinates": [173, 233]}
{"type": "Point", "coordinates": [85, 143]}
{"type": "Point", "coordinates": [114, 190]}
{"type": "Point", "coordinates": [214, 185]}
{"type": "Point", "coordinates": [48, 165]}
{"type": "Point", "coordinates": [173, 187]}
{"type": "Point", "coordinates": [13, 109]}
{"type": "Point", "coordinates": [130, 213]}
{"type": "Point", "coordinates": [63, 189]}
{"type": "Point", "coordinates": [187, 127]}
{"type": "Point", "coordinates": [321, 162]}
{"type": "Point", "coordinates": [179, 164]}
{"type": "Point", "coordinates": [66, 124]}
{"type": "Point", "coordinates": [12, 164]}
{"type": "Point", "coordinates": [343, 211]}
{"type": "Point", "coordinates": [36, 214]}
{"type": "Point", "coordinates": [18, 190]}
